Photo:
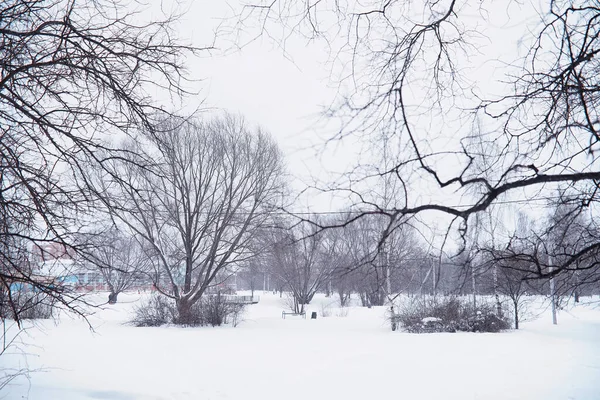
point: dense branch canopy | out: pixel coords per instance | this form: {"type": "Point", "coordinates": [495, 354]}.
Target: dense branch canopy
{"type": "Point", "coordinates": [208, 189]}
{"type": "Point", "coordinates": [71, 74]}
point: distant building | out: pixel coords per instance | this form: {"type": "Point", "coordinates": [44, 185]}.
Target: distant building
{"type": "Point", "coordinates": [55, 261]}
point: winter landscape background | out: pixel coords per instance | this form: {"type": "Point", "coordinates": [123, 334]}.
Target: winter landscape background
{"type": "Point", "coordinates": [299, 199]}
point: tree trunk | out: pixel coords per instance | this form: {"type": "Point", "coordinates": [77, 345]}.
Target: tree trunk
{"type": "Point", "coordinates": [377, 297]}
{"type": "Point", "coordinates": [112, 297]}
{"type": "Point", "coordinates": [364, 300]}
{"type": "Point", "coordinates": [516, 316]}
{"type": "Point", "coordinates": [344, 297]}
{"type": "Point", "coordinates": [577, 283]}
{"type": "Point", "coordinates": [496, 295]}
{"type": "Point", "coordinates": [296, 305]}
{"type": "Point", "coordinates": [184, 312]}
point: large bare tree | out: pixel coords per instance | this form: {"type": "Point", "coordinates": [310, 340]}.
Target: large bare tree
{"type": "Point", "coordinates": [209, 186]}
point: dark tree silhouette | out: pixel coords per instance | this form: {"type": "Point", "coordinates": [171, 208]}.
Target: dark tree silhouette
{"type": "Point", "coordinates": [71, 75]}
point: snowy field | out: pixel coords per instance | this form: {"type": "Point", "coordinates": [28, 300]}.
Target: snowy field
{"type": "Point", "coordinates": [339, 357]}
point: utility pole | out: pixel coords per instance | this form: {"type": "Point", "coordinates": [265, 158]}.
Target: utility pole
{"type": "Point", "coordinates": [473, 284]}
{"type": "Point", "coordinates": [552, 292]}
{"type": "Point", "coordinates": [433, 281]}
{"type": "Point", "coordinates": [386, 246]}
{"type": "Point", "coordinates": [388, 282]}
{"type": "Point", "coordinates": [471, 261]}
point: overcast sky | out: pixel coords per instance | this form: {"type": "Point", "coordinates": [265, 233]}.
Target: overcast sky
{"type": "Point", "coordinates": [283, 95]}
{"type": "Point", "coordinates": [285, 91]}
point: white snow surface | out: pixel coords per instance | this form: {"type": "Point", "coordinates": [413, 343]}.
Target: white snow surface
{"type": "Point", "coordinates": [267, 357]}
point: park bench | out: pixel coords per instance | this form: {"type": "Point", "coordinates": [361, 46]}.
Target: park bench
{"type": "Point", "coordinates": [284, 313]}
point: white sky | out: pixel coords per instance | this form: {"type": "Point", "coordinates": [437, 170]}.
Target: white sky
{"type": "Point", "coordinates": [283, 95]}
{"type": "Point", "coordinates": [286, 97]}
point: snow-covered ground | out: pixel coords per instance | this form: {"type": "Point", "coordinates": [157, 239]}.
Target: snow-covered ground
{"type": "Point", "coordinates": [339, 357]}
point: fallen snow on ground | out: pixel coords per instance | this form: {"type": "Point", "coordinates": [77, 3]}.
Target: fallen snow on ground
{"type": "Point", "coordinates": [267, 357]}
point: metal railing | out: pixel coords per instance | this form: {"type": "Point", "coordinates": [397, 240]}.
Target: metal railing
{"type": "Point", "coordinates": [239, 299]}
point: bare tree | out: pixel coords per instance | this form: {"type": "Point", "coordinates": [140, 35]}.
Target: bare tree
{"type": "Point", "coordinates": [209, 186]}
{"type": "Point", "coordinates": [337, 255]}
{"type": "Point", "coordinates": [342, 277]}
{"type": "Point", "coordinates": [256, 270]}
{"type": "Point", "coordinates": [360, 246]}
{"type": "Point", "coordinates": [565, 238]}
{"type": "Point", "coordinates": [568, 231]}
{"type": "Point", "coordinates": [252, 274]}
{"type": "Point", "coordinates": [532, 252]}
{"type": "Point", "coordinates": [298, 259]}
{"type": "Point", "coordinates": [378, 275]}
{"type": "Point", "coordinates": [509, 280]}
{"type": "Point", "coordinates": [120, 259]}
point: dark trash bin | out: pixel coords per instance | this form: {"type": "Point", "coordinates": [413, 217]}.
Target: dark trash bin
{"type": "Point", "coordinates": [313, 315]}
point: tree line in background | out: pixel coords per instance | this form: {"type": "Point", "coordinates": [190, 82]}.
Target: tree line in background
{"type": "Point", "coordinates": [351, 261]}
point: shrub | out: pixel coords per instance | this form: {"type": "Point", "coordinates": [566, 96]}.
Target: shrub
{"type": "Point", "coordinates": [485, 320]}
{"type": "Point", "coordinates": [236, 314]}
{"type": "Point", "coordinates": [448, 314]}
{"type": "Point", "coordinates": [155, 311]}
{"type": "Point", "coordinates": [36, 307]}
{"type": "Point", "coordinates": [325, 310]}
{"type": "Point", "coordinates": [215, 310]}
{"type": "Point", "coordinates": [25, 305]}
{"type": "Point", "coordinates": [343, 312]}
{"type": "Point", "coordinates": [212, 310]}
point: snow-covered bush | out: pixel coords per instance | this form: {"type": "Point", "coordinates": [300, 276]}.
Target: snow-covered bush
{"type": "Point", "coordinates": [215, 310]}
{"type": "Point", "coordinates": [448, 314]}
{"type": "Point", "coordinates": [325, 310]}
{"type": "Point", "coordinates": [157, 310]}
{"type": "Point", "coordinates": [212, 310]}
{"type": "Point", "coordinates": [25, 305]}
{"type": "Point", "coordinates": [343, 312]}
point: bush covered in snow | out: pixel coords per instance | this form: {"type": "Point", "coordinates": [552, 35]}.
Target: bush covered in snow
{"type": "Point", "coordinates": [25, 305]}
{"type": "Point", "coordinates": [448, 314]}
{"type": "Point", "coordinates": [157, 310]}
{"type": "Point", "coordinates": [212, 310]}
